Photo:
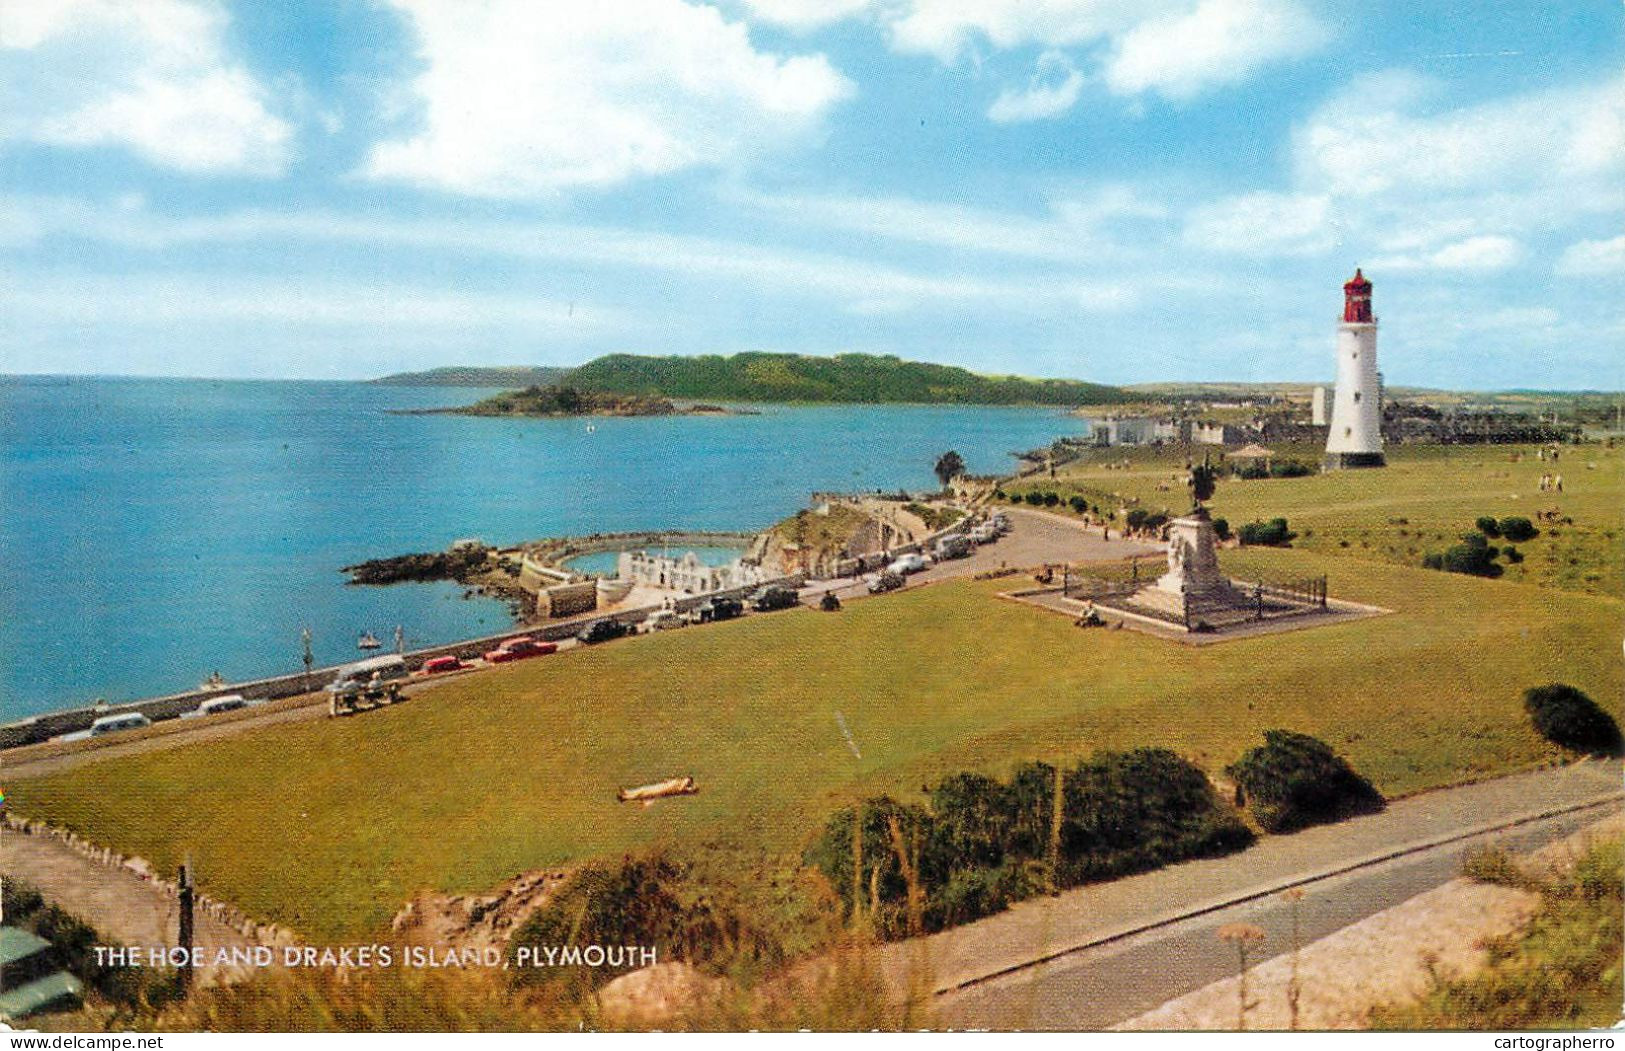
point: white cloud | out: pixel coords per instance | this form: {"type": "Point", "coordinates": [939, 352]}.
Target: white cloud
{"type": "Point", "coordinates": [1372, 140]}
{"type": "Point", "coordinates": [1486, 252]}
{"type": "Point", "coordinates": [946, 28]}
{"type": "Point", "coordinates": [522, 99]}
{"type": "Point", "coordinates": [1043, 97]}
{"type": "Point", "coordinates": [1604, 258]}
{"type": "Point", "coordinates": [1219, 42]}
{"type": "Point", "coordinates": [154, 77]}
{"type": "Point", "coordinates": [803, 15]}
{"type": "Point", "coordinates": [1263, 224]}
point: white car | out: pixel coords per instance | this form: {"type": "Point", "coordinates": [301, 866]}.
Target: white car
{"type": "Point", "coordinates": [906, 564]}
{"type": "Point", "coordinates": [985, 533]}
{"type": "Point", "coordinates": [664, 620]}
{"type": "Point", "coordinates": [230, 702]}
{"type": "Point", "coordinates": [109, 724]}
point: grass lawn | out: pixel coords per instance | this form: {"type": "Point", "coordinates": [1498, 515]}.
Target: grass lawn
{"type": "Point", "coordinates": [329, 826]}
{"type": "Point", "coordinates": [1422, 501]}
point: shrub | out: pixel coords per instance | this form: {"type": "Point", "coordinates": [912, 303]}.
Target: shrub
{"type": "Point", "coordinates": [1078, 504]}
{"type": "Point", "coordinates": [1221, 528]}
{"type": "Point", "coordinates": [1250, 470]}
{"type": "Point", "coordinates": [1051, 499]}
{"type": "Point", "coordinates": [1155, 521]}
{"type": "Point", "coordinates": [1487, 525]}
{"type": "Point", "coordinates": [1136, 518]}
{"type": "Point", "coordinates": [1290, 469]}
{"type": "Point", "coordinates": [1569, 719]}
{"type": "Point", "coordinates": [1014, 498]}
{"type": "Point", "coordinates": [1512, 554]}
{"type": "Point", "coordinates": [1034, 497]}
{"type": "Point", "coordinates": [1273, 533]}
{"type": "Point", "coordinates": [1295, 780]}
{"type": "Point", "coordinates": [1473, 556]}
{"type": "Point", "coordinates": [883, 893]}
{"type": "Point", "coordinates": [1518, 529]}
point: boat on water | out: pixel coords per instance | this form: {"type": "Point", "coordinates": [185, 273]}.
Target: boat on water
{"type": "Point", "coordinates": [367, 641]}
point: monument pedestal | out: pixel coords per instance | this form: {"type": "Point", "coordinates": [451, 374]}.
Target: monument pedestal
{"type": "Point", "coordinates": [1193, 570]}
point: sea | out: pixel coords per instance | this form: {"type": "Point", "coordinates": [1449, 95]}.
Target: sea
{"type": "Point", "coordinates": [156, 531]}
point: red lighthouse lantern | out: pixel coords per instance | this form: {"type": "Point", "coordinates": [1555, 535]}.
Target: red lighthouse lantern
{"type": "Point", "coordinates": [1357, 299]}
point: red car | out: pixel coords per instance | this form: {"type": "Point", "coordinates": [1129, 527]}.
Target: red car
{"type": "Point", "coordinates": [436, 665]}
{"type": "Point", "coordinates": [518, 648]}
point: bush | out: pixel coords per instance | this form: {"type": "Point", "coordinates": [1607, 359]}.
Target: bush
{"type": "Point", "coordinates": [1014, 498]}
{"type": "Point", "coordinates": [1078, 504]}
{"type": "Point", "coordinates": [1290, 469]}
{"type": "Point", "coordinates": [1518, 529]}
{"type": "Point", "coordinates": [1473, 556]}
{"type": "Point", "coordinates": [1034, 497]}
{"type": "Point", "coordinates": [1136, 518]}
{"type": "Point", "coordinates": [984, 844]}
{"type": "Point", "coordinates": [1221, 528]}
{"type": "Point", "coordinates": [1512, 554]}
{"type": "Point", "coordinates": [1487, 525]}
{"type": "Point", "coordinates": [1295, 780]}
{"type": "Point", "coordinates": [1273, 533]}
{"type": "Point", "coordinates": [1051, 499]}
{"type": "Point", "coordinates": [1569, 719]}
{"type": "Point", "coordinates": [1251, 470]}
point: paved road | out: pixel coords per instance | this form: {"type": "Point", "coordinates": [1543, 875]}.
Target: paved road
{"type": "Point", "coordinates": [1036, 538]}
{"type": "Point", "coordinates": [1108, 914]}
{"type": "Point", "coordinates": [1101, 987]}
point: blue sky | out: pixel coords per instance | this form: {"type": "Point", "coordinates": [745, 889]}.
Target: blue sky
{"type": "Point", "coordinates": [1116, 190]}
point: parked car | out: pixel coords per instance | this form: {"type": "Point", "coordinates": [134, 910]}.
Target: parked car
{"type": "Point", "coordinates": [603, 631]}
{"type": "Point", "coordinates": [518, 648]}
{"type": "Point", "coordinates": [955, 545]}
{"type": "Point", "coordinates": [772, 597]}
{"type": "Point", "coordinates": [229, 702]}
{"type": "Point", "coordinates": [903, 565]}
{"type": "Point", "coordinates": [437, 665]}
{"type": "Point", "coordinates": [112, 724]}
{"type": "Point", "coordinates": [986, 533]}
{"type": "Point", "coordinates": [717, 609]}
{"type": "Point", "coordinates": [664, 620]}
{"type": "Point", "coordinates": [1001, 522]}
{"type": "Point", "coordinates": [885, 581]}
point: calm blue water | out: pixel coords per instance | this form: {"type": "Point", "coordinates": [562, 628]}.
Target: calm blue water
{"type": "Point", "coordinates": [605, 561]}
{"type": "Point", "coordinates": [153, 531]}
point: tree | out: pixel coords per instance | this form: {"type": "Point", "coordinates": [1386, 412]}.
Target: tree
{"type": "Point", "coordinates": [950, 465]}
{"type": "Point", "coordinates": [1204, 479]}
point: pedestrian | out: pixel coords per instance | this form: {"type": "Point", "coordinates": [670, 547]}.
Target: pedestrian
{"type": "Point", "coordinates": [1559, 483]}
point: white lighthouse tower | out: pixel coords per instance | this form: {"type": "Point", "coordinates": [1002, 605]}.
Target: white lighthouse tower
{"type": "Point", "coordinates": [1355, 435]}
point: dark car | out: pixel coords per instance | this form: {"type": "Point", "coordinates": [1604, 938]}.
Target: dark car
{"type": "Point", "coordinates": [884, 582]}
{"type": "Point", "coordinates": [718, 609]}
{"type": "Point", "coordinates": [603, 631]}
{"type": "Point", "coordinates": [772, 597]}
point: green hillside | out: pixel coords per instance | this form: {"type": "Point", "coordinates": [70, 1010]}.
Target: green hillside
{"type": "Point", "coordinates": [863, 378]}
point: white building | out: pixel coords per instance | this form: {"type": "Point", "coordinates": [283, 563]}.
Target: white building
{"type": "Point", "coordinates": [686, 574]}
{"type": "Point", "coordinates": [1320, 406]}
{"type": "Point", "coordinates": [1354, 438]}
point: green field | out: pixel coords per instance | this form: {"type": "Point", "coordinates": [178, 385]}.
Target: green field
{"type": "Point", "coordinates": [329, 826]}
{"type": "Point", "coordinates": [1421, 502]}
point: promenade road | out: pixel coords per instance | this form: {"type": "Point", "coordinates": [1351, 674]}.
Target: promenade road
{"type": "Point", "coordinates": [1100, 954]}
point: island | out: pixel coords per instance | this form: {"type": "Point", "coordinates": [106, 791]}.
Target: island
{"type": "Point", "coordinates": [763, 377]}
{"type": "Point", "coordinates": [567, 401]}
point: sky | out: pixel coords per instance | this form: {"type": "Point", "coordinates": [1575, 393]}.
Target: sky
{"type": "Point", "coordinates": [1114, 190]}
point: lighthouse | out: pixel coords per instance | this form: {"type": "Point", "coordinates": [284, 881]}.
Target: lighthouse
{"type": "Point", "coordinates": [1354, 438]}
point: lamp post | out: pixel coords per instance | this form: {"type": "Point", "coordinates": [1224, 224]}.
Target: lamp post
{"type": "Point", "coordinates": [310, 658]}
